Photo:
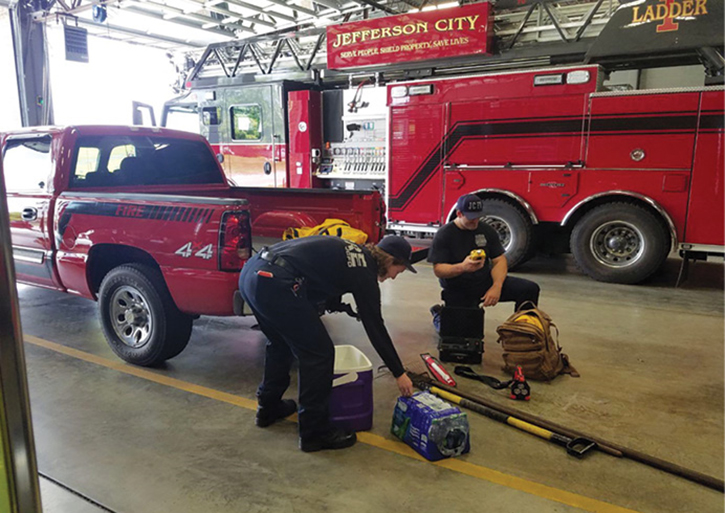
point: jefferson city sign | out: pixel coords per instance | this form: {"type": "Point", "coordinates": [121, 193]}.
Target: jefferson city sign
{"type": "Point", "coordinates": [409, 37]}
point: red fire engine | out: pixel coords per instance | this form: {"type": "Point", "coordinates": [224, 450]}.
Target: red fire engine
{"type": "Point", "coordinates": [630, 174]}
{"type": "Point", "coordinates": [620, 178]}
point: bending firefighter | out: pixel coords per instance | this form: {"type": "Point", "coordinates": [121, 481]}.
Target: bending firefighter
{"type": "Point", "coordinates": [284, 285]}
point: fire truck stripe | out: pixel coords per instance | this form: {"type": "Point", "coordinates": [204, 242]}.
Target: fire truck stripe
{"type": "Point", "coordinates": [635, 124]}
{"type": "Point", "coordinates": [600, 125]}
{"type": "Point", "coordinates": [573, 124]}
{"type": "Point", "coordinates": [712, 122]}
{"type": "Point", "coordinates": [479, 129]}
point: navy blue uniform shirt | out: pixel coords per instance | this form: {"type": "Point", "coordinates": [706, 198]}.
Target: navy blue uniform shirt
{"type": "Point", "coordinates": [451, 245]}
{"type": "Point", "coordinates": [332, 267]}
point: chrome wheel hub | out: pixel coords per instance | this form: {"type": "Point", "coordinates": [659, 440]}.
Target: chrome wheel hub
{"type": "Point", "coordinates": [617, 244]}
{"type": "Point", "coordinates": [131, 317]}
{"type": "Point", "coordinates": [502, 228]}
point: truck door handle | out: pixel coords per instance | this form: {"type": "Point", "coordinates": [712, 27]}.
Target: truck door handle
{"type": "Point", "coordinates": [457, 180]}
{"type": "Point", "coordinates": [267, 168]}
{"type": "Point", "coordinates": [30, 214]}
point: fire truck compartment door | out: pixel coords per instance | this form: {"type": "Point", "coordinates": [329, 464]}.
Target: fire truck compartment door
{"type": "Point", "coordinates": [454, 182]}
{"type": "Point", "coordinates": [305, 137]}
{"type": "Point", "coordinates": [705, 209]}
{"type": "Point", "coordinates": [416, 178]}
{"type": "Point", "coordinates": [654, 131]}
{"type": "Point", "coordinates": [552, 188]}
{"type": "Point", "coordinates": [516, 131]}
{"type": "Point", "coordinates": [253, 141]}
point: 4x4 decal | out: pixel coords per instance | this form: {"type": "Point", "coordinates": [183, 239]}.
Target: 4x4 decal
{"type": "Point", "coordinates": [190, 248]}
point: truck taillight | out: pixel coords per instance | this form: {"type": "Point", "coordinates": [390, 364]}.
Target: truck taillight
{"type": "Point", "coordinates": [235, 244]}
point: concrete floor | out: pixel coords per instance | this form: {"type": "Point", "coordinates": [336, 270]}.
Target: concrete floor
{"type": "Point", "coordinates": [182, 438]}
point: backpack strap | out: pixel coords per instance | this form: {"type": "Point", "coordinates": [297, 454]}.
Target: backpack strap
{"type": "Point", "coordinates": [568, 367]}
{"type": "Point", "coordinates": [467, 372]}
{"type": "Point", "coordinates": [527, 302]}
{"type": "Point", "coordinates": [556, 338]}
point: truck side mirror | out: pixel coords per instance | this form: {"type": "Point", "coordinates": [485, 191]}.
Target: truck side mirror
{"type": "Point", "coordinates": [220, 158]}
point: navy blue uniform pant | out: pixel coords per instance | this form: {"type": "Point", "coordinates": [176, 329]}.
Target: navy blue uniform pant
{"type": "Point", "coordinates": [513, 289]}
{"type": "Point", "coordinates": [294, 330]}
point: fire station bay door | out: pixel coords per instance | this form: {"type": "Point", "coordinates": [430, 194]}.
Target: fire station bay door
{"type": "Point", "coordinates": [252, 135]}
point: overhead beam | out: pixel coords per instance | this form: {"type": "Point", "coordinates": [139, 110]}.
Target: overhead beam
{"type": "Point", "coordinates": [329, 3]}
{"type": "Point", "coordinates": [44, 15]}
{"type": "Point", "coordinates": [260, 10]}
{"type": "Point", "coordinates": [177, 21]}
{"type": "Point", "coordinates": [237, 16]}
{"type": "Point", "coordinates": [139, 33]}
{"type": "Point", "coordinates": [411, 3]}
{"type": "Point", "coordinates": [213, 6]}
{"type": "Point", "coordinates": [296, 8]}
{"type": "Point", "coordinates": [377, 5]}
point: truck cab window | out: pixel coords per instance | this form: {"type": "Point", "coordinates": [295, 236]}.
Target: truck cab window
{"type": "Point", "coordinates": [118, 154]}
{"type": "Point", "coordinates": [210, 116]}
{"type": "Point", "coordinates": [246, 122]}
{"type": "Point", "coordinates": [91, 171]}
{"type": "Point", "coordinates": [140, 160]}
{"type": "Point", "coordinates": [87, 162]}
{"type": "Point", "coordinates": [27, 164]}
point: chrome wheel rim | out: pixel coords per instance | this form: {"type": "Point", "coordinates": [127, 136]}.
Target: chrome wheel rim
{"type": "Point", "coordinates": [502, 228]}
{"type": "Point", "coordinates": [617, 244]}
{"type": "Point", "coordinates": [131, 317]}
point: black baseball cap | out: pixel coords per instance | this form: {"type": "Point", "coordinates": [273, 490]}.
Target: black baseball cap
{"type": "Point", "coordinates": [399, 248]}
{"type": "Point", "coordinates": [470, 206]}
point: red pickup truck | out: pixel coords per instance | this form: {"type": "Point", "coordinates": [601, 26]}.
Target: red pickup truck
{"type": "Point", "coordinates": [143, 221]}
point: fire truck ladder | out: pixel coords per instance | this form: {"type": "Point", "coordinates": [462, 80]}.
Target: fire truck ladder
{"type": "Point", "coordinates": [542, 32]}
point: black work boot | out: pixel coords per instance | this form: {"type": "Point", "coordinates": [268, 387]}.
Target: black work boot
{"type": "Point", "coordinates": [335, 438]}
{"type": "Point", "coordinates": [268, 415]}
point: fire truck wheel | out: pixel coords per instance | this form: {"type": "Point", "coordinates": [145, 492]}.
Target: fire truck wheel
{"type": "Point", "coordinates": [139, 318]}
{"type": "Point", "coordinates": [513, 227]}
{"type": "Point", "coordinates": [619, 243]}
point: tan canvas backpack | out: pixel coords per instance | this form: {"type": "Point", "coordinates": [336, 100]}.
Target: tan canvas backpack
{"type": "Point", "coordinates": [529, 339]}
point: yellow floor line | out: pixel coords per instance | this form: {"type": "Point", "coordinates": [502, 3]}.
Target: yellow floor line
{"type": "Point", "coordinates": [456, 465]}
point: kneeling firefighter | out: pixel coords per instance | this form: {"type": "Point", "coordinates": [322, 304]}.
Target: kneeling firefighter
{"type": "Point", "coordinates": [284, 285]}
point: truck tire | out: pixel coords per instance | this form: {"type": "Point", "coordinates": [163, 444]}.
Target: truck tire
{"type": "Point", "coordinates": [619, 243]}
{"type": "Point", "coordinates": [140, 320]}
{"type": "Point", "coordinates": [513, 228]}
